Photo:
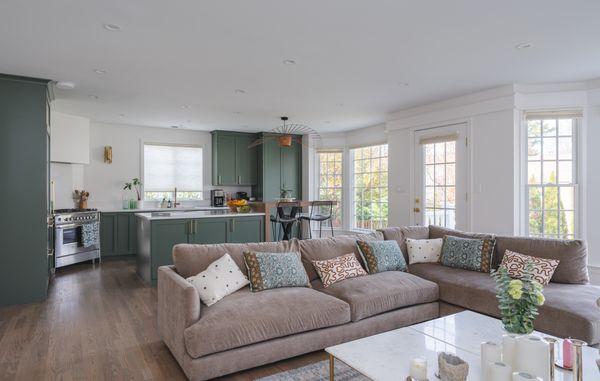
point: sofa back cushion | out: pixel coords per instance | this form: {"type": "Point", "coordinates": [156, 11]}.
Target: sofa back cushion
{"type": "Point", "coordinates": [400, 234]}
{"type": "Point", "coordinates": [572, 255]}
{"type": "Point", "coordinates": [190, 259]}
{"type": "Point", "coordinates": [319, 249]}
{"type": "Point", "coordinates": [440, 232]}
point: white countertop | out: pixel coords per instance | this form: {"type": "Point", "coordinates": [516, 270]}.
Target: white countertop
{"type": "Point", "coordinates": [180, 209]}
{"type": "Point", "coordinates": [183, 215]}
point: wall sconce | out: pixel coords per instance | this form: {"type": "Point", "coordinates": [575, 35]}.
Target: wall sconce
{"type": "Point", "coordinates": [108, 154]}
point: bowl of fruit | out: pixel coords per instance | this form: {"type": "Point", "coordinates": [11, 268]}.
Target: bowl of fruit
{"type": "Point", "coordinates": [236, 205]}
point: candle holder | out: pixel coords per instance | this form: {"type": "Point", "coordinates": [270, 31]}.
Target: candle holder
{"type": "Point", "coordinates": [551, 344]}
{"type": "Point", "coordinates": [578, 360]}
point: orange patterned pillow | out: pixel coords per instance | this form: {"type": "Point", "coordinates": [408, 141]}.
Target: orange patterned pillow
{"type": "Point", "coordinates": [543, 268]}
{"type": "Point", "coordinates": [337, 269]}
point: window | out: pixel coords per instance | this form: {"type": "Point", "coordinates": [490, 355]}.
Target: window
{"type": "Point", "coordinates": [330, 182]}
{"type": "Point", "coordinates": [440, 183]}
{"type": "Point", "coordinates": [551, 176]}
{"type": "Point", "coordinates": [370, 187]}
{"type": "Point", "coordinates": [167, 167]}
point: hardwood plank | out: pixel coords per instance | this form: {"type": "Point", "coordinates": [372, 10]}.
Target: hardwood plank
{"type": "Point", "coordinates": [99, 323]}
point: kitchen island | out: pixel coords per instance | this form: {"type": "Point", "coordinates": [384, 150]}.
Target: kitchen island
{"type": "Point", "coordinates": [158, 232]}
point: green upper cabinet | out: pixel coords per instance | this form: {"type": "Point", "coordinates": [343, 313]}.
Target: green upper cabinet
{"type": "Point", "coordinates": [233, 162]}
{"type": "Point", "coordinates": [278, 168]}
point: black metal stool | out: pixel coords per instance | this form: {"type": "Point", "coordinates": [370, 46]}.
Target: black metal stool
{"type": "Point", "coordinates": [287, 212]}
{"type": "Point", "coordinates": [320, 211]}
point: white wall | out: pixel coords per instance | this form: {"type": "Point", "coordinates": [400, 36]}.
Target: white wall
{"type": "Point", "coordinates": [70, 139]}
{"type": "Point", "coordinates": [592, 170]}
{"type": "Point", "coordinates": [67, 177]}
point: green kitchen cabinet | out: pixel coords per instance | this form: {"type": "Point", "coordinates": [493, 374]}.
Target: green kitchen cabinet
{"type": "Point", "coordinates": [246, 229]}
{"type": "Point", "coordinates": [118, 235]}
{"type": "Point", "coordinates": [233, 161]}
{"type": "Point", "coordinates": [209, 230]}
{"type": "Point", "coordinates": [278, 168]}
{"type": "Point", "coordinates": [26, 247]}
{"type": "Point", "coordinates": [156, 238]}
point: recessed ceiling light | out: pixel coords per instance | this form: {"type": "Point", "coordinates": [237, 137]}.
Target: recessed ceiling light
{"type": "Point", "coordinates": [524, 45]}
{"type": "Point", "coordinates": [340, 104]}
{"type": "Point", "coordinates": [174, 126]}
{"type": "Point", "coordinates": [112, 27]}
{"type": "Point", "coordinates": [185, 107]}
{"type": "Point", "coordinates": [93, 96]}
{"type": "Point", "coordinates": [237, 112]}
{"type": "Point", "coordinates": [99, 71]}
{"type": "Point", "coordinates": [121, 115]}
{"type": "Point", "coordinates": [327, 122]}
{"type": "Point", "coordinates": [65, 85]}
{"type": "Point", "coordinates": [289, 62]}
{"type": "Point", "coordinates": [403, 84]}
{"type": "Point", "coordinates": [240, 91]}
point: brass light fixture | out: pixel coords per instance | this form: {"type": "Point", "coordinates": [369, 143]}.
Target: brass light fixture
{"type": "Point", "coordinates": [108, 154]}
{"type": "Point", "coordinates": [286, 134]}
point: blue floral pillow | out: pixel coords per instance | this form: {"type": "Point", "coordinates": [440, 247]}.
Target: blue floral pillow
{"type": "Point", "coordinates": [381, 256]}
{"type": "Point", "coordinates": [274, 270]}
{"type": "Point", "coordinates": [467, 253]}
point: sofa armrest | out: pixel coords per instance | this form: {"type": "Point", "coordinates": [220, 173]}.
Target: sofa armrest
{"type": "Point", "coordinates": [178, 308]}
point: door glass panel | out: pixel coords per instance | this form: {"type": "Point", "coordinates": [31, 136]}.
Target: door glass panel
{"type": "Point", "coordinates": [440, 178]}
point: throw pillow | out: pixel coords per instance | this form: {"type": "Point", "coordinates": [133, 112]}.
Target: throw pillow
{"type": "Point", "coordinates": [337, 269]}
{"type": "Point", "coordinates": [424, 250]}
{"type": "Point", "coordinates": [274, 270]}
{"type": "Point", "coordinates": [468, 253]}
{"type": "Point", "coordinates": [221, 278]}
{"type": "Point", "coordinates": [381, 256]}
{"type": "Point", "coordinates": [542, 268]}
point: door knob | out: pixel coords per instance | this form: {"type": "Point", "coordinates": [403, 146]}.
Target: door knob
{"type": "Point", "coordinates": [417, 210]}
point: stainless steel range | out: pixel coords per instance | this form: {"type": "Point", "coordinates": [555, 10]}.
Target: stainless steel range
{"type": "Point", "coordinates": [76, 236]}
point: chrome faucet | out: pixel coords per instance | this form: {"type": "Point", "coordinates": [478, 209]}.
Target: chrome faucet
{"type": "Point", "coordinates": [175, 203]}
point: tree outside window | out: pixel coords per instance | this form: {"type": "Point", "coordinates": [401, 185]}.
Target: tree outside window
{"type": "Point", "coordinates": [370, 187]}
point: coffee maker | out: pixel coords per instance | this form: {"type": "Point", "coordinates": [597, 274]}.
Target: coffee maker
{"type": "Point", "coordinates": [217, 197]}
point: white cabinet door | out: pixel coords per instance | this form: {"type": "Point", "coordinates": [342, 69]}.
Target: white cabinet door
{"type": "Point", "coordinates": [70, 138]}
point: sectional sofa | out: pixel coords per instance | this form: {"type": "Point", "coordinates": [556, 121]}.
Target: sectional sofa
{"type": "Point", "coordinates": [247, 329]}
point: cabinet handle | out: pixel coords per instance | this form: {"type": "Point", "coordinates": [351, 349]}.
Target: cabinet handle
{"type": "Point", "coordinates": [239, 179]}
{"type": "Point", "coordinates": [190, 227]}
{"type": "Point", "coordinates": [195, 227]}
{"type": "Point", "coordinates": [219, 179]}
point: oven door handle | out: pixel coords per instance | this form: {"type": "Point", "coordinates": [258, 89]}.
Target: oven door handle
{"type": "Point", "coordinates": [70, 226]}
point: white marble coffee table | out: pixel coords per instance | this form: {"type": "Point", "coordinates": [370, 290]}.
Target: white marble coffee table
{"type": "Point", "coordinates": [386, 356]}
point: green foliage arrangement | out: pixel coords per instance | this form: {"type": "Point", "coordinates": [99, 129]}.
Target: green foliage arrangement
{"type": "Point", "coordinates": [519, 299]}
{"type": "Point", "coordinates": [135, 184]}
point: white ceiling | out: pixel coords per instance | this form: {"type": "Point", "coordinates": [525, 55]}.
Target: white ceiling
{"type": "Point", "coordinates": [352, 56]}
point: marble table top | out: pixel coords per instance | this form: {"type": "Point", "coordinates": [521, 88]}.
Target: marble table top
{"type": "Point", "coordinates": [386, 356]}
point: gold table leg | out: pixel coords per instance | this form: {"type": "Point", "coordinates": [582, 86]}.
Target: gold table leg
{"type": "Point", "coordinates": [331, 368]}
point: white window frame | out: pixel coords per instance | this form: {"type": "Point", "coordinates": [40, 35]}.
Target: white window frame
{"type": "Point", "coordinates": [343, 175]}
{"type": "Point", "coordinates": [578, 172]}
{"type": "Point", "coordinates": [172, 144]}
{"type": "Point", "coordinates": [349, 211]}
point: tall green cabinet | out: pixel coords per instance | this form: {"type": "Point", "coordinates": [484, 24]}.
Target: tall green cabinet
{"type": "Point", "coordinates": [233, 161]}
{"type": "Point", "coordinates": [25, 247]}
{"type": "Point", "coordinates": [278, 168]}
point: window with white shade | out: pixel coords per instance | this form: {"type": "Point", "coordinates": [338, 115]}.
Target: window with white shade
{"type": "Point", "coordinates": [552, 193]}
{"type": "Point", "coordinates": [370, 187]}
{"type": "Point", "coordinates": [167, 167]}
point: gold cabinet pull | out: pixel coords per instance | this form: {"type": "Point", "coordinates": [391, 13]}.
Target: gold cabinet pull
{"type": "Point", "coordinates": [417, 210]}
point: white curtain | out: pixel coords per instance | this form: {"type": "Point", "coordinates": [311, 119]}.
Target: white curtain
{"type": "Point", "coordinates": [170, 166]}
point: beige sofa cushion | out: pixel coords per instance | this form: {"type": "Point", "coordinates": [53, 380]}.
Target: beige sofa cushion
{"type": "Point", "coordinates": [572, 255]}
{"type": "Point", "coordinates": [246, 317]}
{"type": "Point", "coordinates": [189, 259]}
{"type": "Point", "coordinates": [569, 310]}
{"type": "Point", "coordinates": [319, 249]}
{"type": "Point", "coordinates": [440, 232]}
{"type": "Point", "coordinates": [377, 293]}
{"type": "Point", "coordinates": [399, 234]}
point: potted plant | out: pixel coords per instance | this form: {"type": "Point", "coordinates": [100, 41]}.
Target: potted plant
{"type": "Point", "coordinates": [136, 185]}
{"type": "Point", "coordinates": [518, 299]}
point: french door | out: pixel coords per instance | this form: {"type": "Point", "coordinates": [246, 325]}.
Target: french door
{"type": "Point", "coordinates": [441, 172]}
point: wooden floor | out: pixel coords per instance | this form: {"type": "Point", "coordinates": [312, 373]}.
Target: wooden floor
{"type": "Point", "coordinates": [97, 324]}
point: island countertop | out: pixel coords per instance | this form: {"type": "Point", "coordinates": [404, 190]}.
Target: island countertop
{"type": "Point", "coordinates": [182, 215]}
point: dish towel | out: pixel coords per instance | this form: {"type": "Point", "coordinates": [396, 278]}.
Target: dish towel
{"type": "Point", "coordinates": [90, 234]}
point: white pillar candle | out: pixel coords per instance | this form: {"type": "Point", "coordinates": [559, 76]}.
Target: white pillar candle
{"type": "Point", "coordinates": [498, 371]}
{"type": "Point", "coordinates": [522, 376]}
{"type": "Point", "coordinates": [533, 357]}
{"type": "Point", "coordinates": [490, 352]}
{"type": "Point", "coordinates": [509, 349]}
{"type": "Point", "coordinates": [418, 368]}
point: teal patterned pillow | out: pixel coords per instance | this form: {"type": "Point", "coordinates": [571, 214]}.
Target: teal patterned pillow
{"type": "Point", "coordinates": [467, 253]}
{"type": "Point", "coordinates": [382, 256]}
{"type": "Point", "coordinates": [274, 270]}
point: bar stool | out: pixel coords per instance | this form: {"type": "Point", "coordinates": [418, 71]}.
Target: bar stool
{"type": "Point", "coordinates": [287, 217]}
{"type": "Point", "coordinates": [320, 211]}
